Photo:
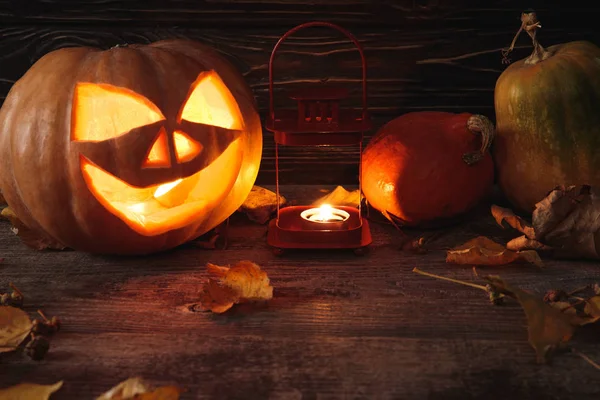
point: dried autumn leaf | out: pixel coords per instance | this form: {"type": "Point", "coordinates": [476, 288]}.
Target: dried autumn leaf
{"type": "Point", "coordinates": [502, 214]}
{"type": "Point", "coordinates": [28, 236]}
{"type": "Point", "coordinates": [243, 282]}
{"type": "Point", "coordinates": [484, 251]}
{"type": "Point", "coordinates": [340, 197]}
{"type": "Point", "coordinates": [15, 326]}
{"type": "Point", "coordinates": [567, 221]}
{"type": "Point", "coordinates": [29, 391]}
{"type": "Point", "coordinates": [592, 309]}
{"type": "Point", "coordinates": [137, 389]}
{"type": "Point", "coordinates": [548, 327]}
{"type": "Point", "coordinates": [260, 204]}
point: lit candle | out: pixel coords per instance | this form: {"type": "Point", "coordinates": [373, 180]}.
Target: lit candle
{"type": "Point", "coordinates": [325, 213]}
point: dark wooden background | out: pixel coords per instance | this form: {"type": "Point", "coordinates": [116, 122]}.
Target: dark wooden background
{"type": "Point", "coordinates": [422, 54]}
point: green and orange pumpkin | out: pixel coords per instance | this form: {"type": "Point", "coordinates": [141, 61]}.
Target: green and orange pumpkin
{"type": "Point", "coordinates": [548, 120]}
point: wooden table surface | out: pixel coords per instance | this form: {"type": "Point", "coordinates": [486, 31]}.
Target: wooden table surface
{"type": "Point", "coordinates": [339, 326]}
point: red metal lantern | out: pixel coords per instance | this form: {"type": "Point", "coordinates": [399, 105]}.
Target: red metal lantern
{"type": "Point", "coordinates": [318, 120]}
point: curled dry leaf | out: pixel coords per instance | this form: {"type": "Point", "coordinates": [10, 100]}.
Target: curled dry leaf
{"type": "Point", "coordinates": [137, 389]}
{"type": "Point", "coordinates": [484, 251]}
{"type": "Point", "coordinates": [227, 286]}
{"type": "Point", "coordinates": [340, 197]}
{"type": "Point", "coordinates": [567, 222]}
{"type": "Point", "coordinates": [260, 204]}
{"type": "Point", "coordinates": [502, 215]}
{"type": "Point", "coordinates": [29, 237]}
{"type": "Point", "coordinates": [29, 391]}
{"type": "Point", "coordinates": [15, 326]}
{"type": "Point", "coordinates": [548, 327]}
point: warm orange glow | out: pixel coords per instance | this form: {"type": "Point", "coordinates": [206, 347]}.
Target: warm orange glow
{"type": "Point", "coordinates": [102, 112]}
{"type": "Point", "coordinates": [149, 212]}
{"type": "Point", "coordinates": [158, 156]}
{"type": "Point", "coordinates": [186, 148]}
{"type": "Point", "coordinates": [166, 188]}
{"type": "Point", "coordinates": [210, 102]}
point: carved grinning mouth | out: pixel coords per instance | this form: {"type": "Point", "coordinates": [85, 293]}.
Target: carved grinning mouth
{"type": "Point", "coordinates": [163, 207]}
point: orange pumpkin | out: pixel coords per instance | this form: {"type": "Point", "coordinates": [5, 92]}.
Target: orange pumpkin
{"type": "Point", "coordinates": [425, 168]}
{"type": "Point", "coordinates": [131, 150]}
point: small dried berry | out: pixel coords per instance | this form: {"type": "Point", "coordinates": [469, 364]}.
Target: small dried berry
{"type": "Point", "coordinates": [45, 326]}
{"type": "Point", "coordinates": [37, 347]}
{"type": "Point", "coordinates": [496, 298]}
{"type": "Point", "coordinates": [552, 296]}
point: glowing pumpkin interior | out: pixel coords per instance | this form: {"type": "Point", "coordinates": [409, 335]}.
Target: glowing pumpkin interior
{"type": "Point", "coordinates": [101, 112]}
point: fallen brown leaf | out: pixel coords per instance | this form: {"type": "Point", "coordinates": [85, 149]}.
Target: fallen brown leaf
{"type": "Point", "coordinates": [29, 237]}
{"type": "Point", "coordinates": [137, 389]}
{"type": "Point", "coordinates": [29, 391]}
{"type": "Point", "coordinates": [548, 327]}
{"type": "Point", "coordinates": [340, 197]}
{"type": "Point", "coordinates": [484, 251]}
{"type": "Point", "coordinates": [502, 214]}
{"type": "Point", "coordinates": [566, 222]}
{"type": "Point", "coordinates": [260, 204]}
{"type": "Point", "coordinates": [241, 283]}
{"type": "Point", "coordinates": [15, 326]}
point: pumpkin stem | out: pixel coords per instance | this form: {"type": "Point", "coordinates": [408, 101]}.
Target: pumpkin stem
{"type": "Point", "coordinates": [480, 124]}
{"type": "Point", "coordinates": [529, 24]}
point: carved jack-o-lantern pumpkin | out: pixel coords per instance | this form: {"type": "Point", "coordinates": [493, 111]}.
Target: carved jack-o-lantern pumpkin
{"type": "Point", "coordinates": [131, 150]}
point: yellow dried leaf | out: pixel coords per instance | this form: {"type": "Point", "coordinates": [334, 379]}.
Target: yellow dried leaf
{"type": "Point", "coordinates": [243, 282]}
{"type": "Point", "coordinates": [592, 310]}
{"type": "Point", "coordinates": [260, 204]}
{"type": "Point", "coordinates": [29, 391]}
{"type": "Point", "coordinates": [28, 236]}
{"type": "Point", "coordinates": [547, 326]}
{"type": "Point", "coordinates": [484, 251]}
{"type": "Point", "coordinates": [340, 197]}
{"type": "Point", "coordinates": [137, 389]}
{"type": "Point", "coordinates": [15, 326]}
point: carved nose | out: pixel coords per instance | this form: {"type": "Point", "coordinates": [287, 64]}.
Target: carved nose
{"type": "Point", "coordinates": [186, 149]}
{"type": "Point", "coordinates": [158, 155]}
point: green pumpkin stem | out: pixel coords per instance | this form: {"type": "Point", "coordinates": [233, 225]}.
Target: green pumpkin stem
{"type": "Point", "coordinates": [529, 24]}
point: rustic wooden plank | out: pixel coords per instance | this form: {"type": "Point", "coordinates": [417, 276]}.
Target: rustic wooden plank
{"type": "Point", "coordinates": [338, 326]}
{"type": "Point", "coordinates": [409, 70]}
{"type": "Point", "coordinates": [262, 13]}
{"type": "Point", "coordinates": [238, 12]}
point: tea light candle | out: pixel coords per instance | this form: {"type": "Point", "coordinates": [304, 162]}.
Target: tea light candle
{"type": "Point", "coordinates": [324, 214]}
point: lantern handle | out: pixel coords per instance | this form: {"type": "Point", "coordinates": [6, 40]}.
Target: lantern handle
{"type": "Point", "coordinates": [328, 25]}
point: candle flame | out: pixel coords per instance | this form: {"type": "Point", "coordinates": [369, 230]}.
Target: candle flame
{"type": "Point", "coordinates": [325, 213]}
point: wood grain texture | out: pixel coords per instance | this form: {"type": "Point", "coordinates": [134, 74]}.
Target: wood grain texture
{"type": "Point", "coordinates": [339, 326]}
{"type": "Point", "coordinates": [422, 54]}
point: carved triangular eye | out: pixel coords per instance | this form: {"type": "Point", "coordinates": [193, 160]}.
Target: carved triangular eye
{"type": "Point", "coordinates": [186, 148]}
{"type": "Point", "coordinates": [210, 102]}
{"type": "Point", "coordinates": [158, 156]}
{"type": "Point", "coordinates": [102, 111]}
